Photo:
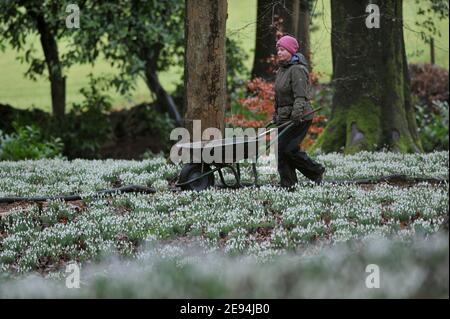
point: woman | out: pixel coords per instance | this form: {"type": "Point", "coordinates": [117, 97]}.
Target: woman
{"type": "Point", "coordinates": [292, 87]}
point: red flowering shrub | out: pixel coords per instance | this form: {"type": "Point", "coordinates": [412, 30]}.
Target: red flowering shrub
{"type": "Point", "coordinates": [255, 109]}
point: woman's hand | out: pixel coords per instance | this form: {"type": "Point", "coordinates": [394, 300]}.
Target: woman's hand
{"type": "Point", "coordinates": [297, 115]}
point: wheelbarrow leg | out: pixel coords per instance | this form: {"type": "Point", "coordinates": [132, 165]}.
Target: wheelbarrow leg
{"type": "Point", "coordinates": [238, 171]}
{"type": "Point", "coordinates": [255, 173]}
{"type": "Point", "coordinates": [236, 175]}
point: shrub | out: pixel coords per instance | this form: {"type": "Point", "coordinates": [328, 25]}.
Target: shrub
{"type": "Point", "coordinates": [28, 143]}
{"type": "Point", "coordinates": [236, 69]}
{"type": "Point", "coordinates": [433, 126]}
{"type": "Point", "coordinates": [87, 126]}
{"type": "Point", "coordinates": [255, 107]}
{"type": "Point", "coordinates": [429, 83]}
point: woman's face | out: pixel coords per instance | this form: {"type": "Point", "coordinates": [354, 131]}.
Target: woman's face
{"type": "Point", "coordinates": [283, 54]}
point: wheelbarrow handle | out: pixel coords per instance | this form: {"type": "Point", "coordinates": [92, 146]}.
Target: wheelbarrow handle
{"type": "Point", "coordinates": [288, 122]}
{"type": "Point", "coordinates": [278, 127]}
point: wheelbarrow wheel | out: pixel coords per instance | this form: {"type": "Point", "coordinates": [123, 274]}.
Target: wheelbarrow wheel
{"type": "Point", "coordinates": [192, 171]}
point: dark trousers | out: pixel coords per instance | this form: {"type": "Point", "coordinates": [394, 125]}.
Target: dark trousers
{"type": "Point", "coordinates": [290, 157]}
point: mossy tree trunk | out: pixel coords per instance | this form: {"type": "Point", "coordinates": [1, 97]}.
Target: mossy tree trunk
{"type": "Point", "coordinates": [371, 106]}
{"type": "Point", "coordinates": [205, 69]}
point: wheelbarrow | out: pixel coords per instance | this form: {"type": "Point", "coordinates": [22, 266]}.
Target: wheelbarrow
{"type": "Point", "coordinates": [198, 175]}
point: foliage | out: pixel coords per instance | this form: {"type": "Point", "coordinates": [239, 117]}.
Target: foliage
{"type": "Point", "coordinates": [158, 123]}
{"type": "Point", "coordinates": [236, 69]}
{"type": "Point", "coordinates": [56, 177]}
{"type": "Point", "coordinates": [429, 86]}
{"type": "Point", "coordinates": [429, 83]}
{"type": "Point", "coordinates": [45, 18]}
{"type": "Point", "coordinates": [28, 143]}
{"type": "Point", "coordinates": [143, 120]}
{"type": "Point", "coordinates": [133, 36]}
{"type": "Point", "coordinates": [255, 107]}
{"type": "Point", "coordinates": [87, 126]}
{"type": "Point", "coordinates": [427, 13]}
{"type": "Point", "coordinates": [18, 19]}
{"type": "Point", "coordinates": [433, 126]}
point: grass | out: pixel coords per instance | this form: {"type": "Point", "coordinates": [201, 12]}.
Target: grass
{"type": "Point", "coordinates": [23, 93]}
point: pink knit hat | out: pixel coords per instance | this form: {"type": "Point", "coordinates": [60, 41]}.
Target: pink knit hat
{"type": "Point", "coordinates": [289, 43]}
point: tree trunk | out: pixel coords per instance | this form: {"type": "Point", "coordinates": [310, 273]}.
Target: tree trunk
{"type": "Point", "coordinates": [57, 80]}
{"type": "Point", "coordinates": [371, 107]}
{"type": "Point", "coordinates": [265, 41]}
{"type": "Point", "coordinates": [205, 69]}
{"type": "Point", "coordinates": [163, 99]}
{"type": "Point", "coordinates": [301, 21]}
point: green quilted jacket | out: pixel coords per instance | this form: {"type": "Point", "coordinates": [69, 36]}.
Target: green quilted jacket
{"type": "Point", "coordinates": [292, 90]}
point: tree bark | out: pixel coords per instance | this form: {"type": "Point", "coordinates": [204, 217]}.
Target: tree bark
{"type": "Point", "coordinates": [205, 69]}
{"type": "Point", "coordinates": [371, 107]}
{"type": "Point", "coordinates": [57, 80]}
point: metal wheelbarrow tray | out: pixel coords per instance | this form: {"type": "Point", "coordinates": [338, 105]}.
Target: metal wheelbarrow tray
{"type": "Point", "coordinates": [199, 175]}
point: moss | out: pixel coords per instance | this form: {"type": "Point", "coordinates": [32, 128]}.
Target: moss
{"type": "Point", "coordinates": [337, 134]}
{"type": "Point", "coordinates": [366, 115]}
{"type": "Point", "coordinates": [406, 144]}
{"type": "Point", "coordinates": [333, 137]}
{"type": "Point", "coordinates": [403, 144]}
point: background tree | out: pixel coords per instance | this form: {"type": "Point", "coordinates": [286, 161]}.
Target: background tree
{"type": "Point", "coordinates": [23, 18]}
{"type": "Point", "coordinates": [425, 21]}
{"type": "Point", "coordinates": [205, 70]}
{"type": "Point", "coordinates": [139, 38]}
{"type": "Point", "coordinates": [301, 21]}
{"type": "Point", "coordinates": [274, 19]}
{"type": "Point", "coordinates": [265, 40]}
{"type": "Point", "coordinates": [371, 106]}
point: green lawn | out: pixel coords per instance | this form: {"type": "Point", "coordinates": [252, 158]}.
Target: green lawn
{"type": "Point", "coordinates": [21, 92]}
